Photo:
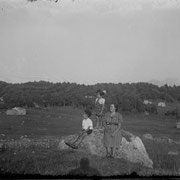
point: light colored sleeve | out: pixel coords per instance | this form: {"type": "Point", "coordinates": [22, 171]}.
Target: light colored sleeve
{"type": "Point", "coordinates": [102, 101]}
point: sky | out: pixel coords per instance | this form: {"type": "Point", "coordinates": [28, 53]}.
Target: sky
{"type": "Point", "coordinates": [89, 41]}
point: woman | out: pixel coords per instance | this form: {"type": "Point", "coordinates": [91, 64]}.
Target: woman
{"type": "Point", "coordinates": [112, 132]}
{"type": "Point", "coordinates": [99, 108]}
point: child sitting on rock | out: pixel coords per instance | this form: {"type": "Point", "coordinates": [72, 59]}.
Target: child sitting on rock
{"type": "Point", "coordinates": [87, 127]}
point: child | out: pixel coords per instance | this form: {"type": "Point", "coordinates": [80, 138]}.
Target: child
{"type": "Point", "coordinates": [87, 127]}
{"type": "Point", "coordinates": [99, 107]}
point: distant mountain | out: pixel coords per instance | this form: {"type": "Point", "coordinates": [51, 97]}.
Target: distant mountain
{"type": "Point", "coordinates": [168, 81]}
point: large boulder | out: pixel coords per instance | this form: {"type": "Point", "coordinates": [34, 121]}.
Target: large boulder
{"type": "Point", "coordinates": [16, 111]}
{"type": "Point", "coordinates": [131, 148]}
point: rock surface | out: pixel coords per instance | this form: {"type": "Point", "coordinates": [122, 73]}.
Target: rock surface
{"type": "Point", "coordinates": [173, 153]}
{"type": "Point", "coordinates": [131, 149]}
{"type": "Point", "coordinates": [147, 136]}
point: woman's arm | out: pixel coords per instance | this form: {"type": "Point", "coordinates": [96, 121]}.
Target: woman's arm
{"type": "Point", "coordinates": [119, 124]}
{"type": "Point", "coordinates": [104, 122]}
{"type": "Point", "coordinates": [114, 133]}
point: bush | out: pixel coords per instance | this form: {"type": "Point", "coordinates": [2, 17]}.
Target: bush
{"type": "Point", "coordinates": [173, 112]}
{"type": "Point", "coordinates": [151, 108]}
{"type": "Point", "coordinates": [127, 104]}
{"type": "Point", "coordinates": [140, 107]}
{"type": "Point", "coordinates": [3, 106]}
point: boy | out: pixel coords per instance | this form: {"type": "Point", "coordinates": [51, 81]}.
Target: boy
{"type": "Point", "coordinates": [87, 127]}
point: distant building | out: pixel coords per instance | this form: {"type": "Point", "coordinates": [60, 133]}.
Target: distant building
{"type": "Point", "coordinates": [146, 101]}
{"type": "Point", "coordinates": [161, 104]}
{"type": "Point", "coordinates": [90, 97]}
{"type": "Point", "coordinates": [36, 105]}
{"type": "Point", "coordinates": [1, 100]}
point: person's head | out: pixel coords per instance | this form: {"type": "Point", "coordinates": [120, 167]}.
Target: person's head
{"type": "Point", "coordinates": [84, 163]}
{"type": "Point", "coordinates": [87, 114]}
{"type": "Point", "coordinates": [99, 93]}
{"type": "Point", "coordinates": [113, 107]}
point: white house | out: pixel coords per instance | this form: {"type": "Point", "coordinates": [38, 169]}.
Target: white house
{"type": "Point", "coordinates": [161, 104]}
{"type": "Point", "coordinates": [147, 101]}
{"type": "Point", "coordinates": [1, 100]}
{"type": "Point", "coordinates": [90, 97]}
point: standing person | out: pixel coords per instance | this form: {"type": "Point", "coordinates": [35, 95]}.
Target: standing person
{"type": "Point", "coordinates": [87, 127]}
{"type": "Point", "coordinates": [112, 132]}
{"type": "Point", "coordinates": [99, 108]}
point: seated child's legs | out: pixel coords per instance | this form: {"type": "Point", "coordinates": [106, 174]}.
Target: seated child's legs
{"type": "Point", "coordinates": [76, 142]}
{"type": "Point", "coordinates": [97, 121]}
{"type": "Point", "coordinates": [100, 122]}
{"type": "Point", "coordinates": [80, 138]}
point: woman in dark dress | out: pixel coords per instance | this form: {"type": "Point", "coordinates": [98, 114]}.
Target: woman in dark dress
{"type": "Point", "coordinates": [112, 132]}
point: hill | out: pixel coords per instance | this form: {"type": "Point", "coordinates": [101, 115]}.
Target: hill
{"type": "Point", "coordinates": [128, 96]}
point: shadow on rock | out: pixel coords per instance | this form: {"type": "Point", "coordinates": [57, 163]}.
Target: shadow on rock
{"type": "Point", "coordinates": [84, 169]}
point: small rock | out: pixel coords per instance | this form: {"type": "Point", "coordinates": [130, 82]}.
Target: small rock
{"type": "Point", "coordinates": [160, 139]}
{"type": "Point", "coordinates": [148, 136]}
{"type": "Point", "coordinates": [2, 134]}
{"type": "Point", "coordinates": [177, 142]}
{"type": "Point", "coordinates": [170, 140]}
{"type": "Point", "coordinates": [146, 113]}
{"type": "Point", "coordinates": [173, 153]}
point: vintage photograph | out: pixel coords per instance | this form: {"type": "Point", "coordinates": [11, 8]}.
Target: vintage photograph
{"type": "Point", "coordinates": [89, 88]}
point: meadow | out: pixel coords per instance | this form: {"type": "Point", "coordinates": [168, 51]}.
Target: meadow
{"type": "Point", "coordinates": [54, 122]}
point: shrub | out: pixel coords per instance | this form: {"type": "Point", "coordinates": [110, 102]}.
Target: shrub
{"type": "Point", "coordinates": [151, 108]}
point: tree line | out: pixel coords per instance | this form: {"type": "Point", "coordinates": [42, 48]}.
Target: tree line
{"type": "Point", "coordinates": [128, 96]}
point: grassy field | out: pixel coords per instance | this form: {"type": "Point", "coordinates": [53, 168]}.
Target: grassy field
{"type": "Point", "coordinates": [52, 123]}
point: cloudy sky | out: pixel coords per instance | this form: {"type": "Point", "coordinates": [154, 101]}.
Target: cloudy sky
{"type": "Point", "coordinates": [89, 41]}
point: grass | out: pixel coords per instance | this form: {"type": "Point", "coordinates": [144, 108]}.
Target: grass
{"type": "Point", "coordinates": [41, 122]}
{"type": "Point", "coordinates": [52, 123]}
{"type": "Point", "coordinates": [157, 125]}
{"type": "Point", "coordinates": [158, 152]}
{"type": "Point", "coordinates": [53, 162]}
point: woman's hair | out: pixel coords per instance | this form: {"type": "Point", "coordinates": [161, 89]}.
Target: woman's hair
{"type": "Point", "coordinates": [100, 92]}
{"type": "Point", "coordinates": [116, 107]}
{"type": "Point", "coordinates": [88, 112]}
